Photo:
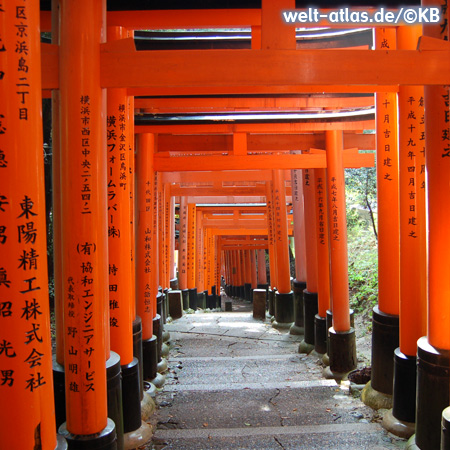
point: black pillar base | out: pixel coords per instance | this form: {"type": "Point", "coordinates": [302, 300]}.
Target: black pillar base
{"type": "Point", "coordinates": [298, 288]}
{"type": "Point", "coordinates": [185, 295]}
{"type": "Point", "coordinates": [174, 284]}
{"type": "Point", "coordinates": [193, 298]}
{"type": "Point", "coordinates": [114, 396]}
{"type": "Point", "coordinates": [342, 351]}
{"type": "Point", "coordinates": [216, 297]}
{"type": "Point", "coordinates": [284, 308]}
{"type": "Point", "coordinates": [131, 399]}
{"type": "Point", "coordinates": [137, 352]}
{"type": "Point", "coordinates": [150, 353]}
{"type": "Point", "coordinates": [241, 293]}
{"type": "Point", "coordinates": [404, 390]}
{"type": "Point", "coordinates": [165, 305]}
{"type": "Point", "coordinates": [105, 440]}
{"type": "Point", "coordinates": [248, 291]}
{"type": "Point", "coordinates": [320, 334]}
{"type": "Point", "coordinates": [201, 300]}
{"type": "Point", "coordinates": [310, 309]}
{"type": "Point", "coordinates": [385, 339]}
{"type": "Point", "coordinates": [59, 390]}
{"type": "Point", "coordinates": [329, 320]}
{"type": "Point", "coordinates": [432, 393]}
{"type": "Point", "coordinates": [157, 331]}
{"type": "Point", "coordinates": [159, 304]}
{"type": "Point", "coordinates": [210, 302]}
{"type": "Point", "coordinates": [271, 302]}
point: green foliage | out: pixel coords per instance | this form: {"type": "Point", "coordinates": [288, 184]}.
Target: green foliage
{"type": "Point", "coordinates": [361, 192]}
{"type": "Point", "coordinates": [362, 269]}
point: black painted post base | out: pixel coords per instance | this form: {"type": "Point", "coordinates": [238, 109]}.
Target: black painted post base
{"type": "Point", "coordinates": [272, 302]}
{"type": "Point", "coordinates": [241, 292]}
{"type": "Point", "coordinates": [432, 393]}
{"type": "Point", "coordinates": [310, 309]}
{"type": "Point", "coordinates": [137, 352]}
{"type": "Point", "coordinates": [247, 291]}
{"type": "Point", "coordinates": [298, 327]}
{"type": "Point", "coordinates": [193, 298]}
{"type": "Point", "coordinates": [131, 401]}
{"type": "Point", "coordinates": [150, 353]}
{"type": "Point", "coordinates": [216, 296]}
{"type": "Point", "coordinates": [284, 310]}
{"type": "Point", "coordinates": [320, 334]}
{"type": "Point", "coordinates": [201, 300]}
{"type": "Point", "coordinates": [329, 320]}
{"type": "Point", "coordinates": [385, 339]}
{"type": "Point", "coordinates": [401, 419]}
{"type": "Point", "coordinates": [173, 283]}
{"type": "Point", "coordinates": [342, 353]}
{"type": "Point", "coordinates": [105, 440]}
{"type": "Point", "coordinates": [59, 391]}
{"type": "Point", "coordinates": [114, 396]}
{"type": "Point", "coordinates": [157, 331]}
{"type": "Point", "coordinates": [185, 295]}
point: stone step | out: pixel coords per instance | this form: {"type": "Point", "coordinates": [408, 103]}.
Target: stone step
{"type": "Point", "coordinates": [267, 407]}
{"type": "Point", "coordinates": [358, 436]}
{"type": "Point", "coordinates": [230, 370]}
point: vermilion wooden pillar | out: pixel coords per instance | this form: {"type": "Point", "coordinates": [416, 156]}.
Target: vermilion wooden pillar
{"type": "Point", "coordinates": [191, 255]}
{"type": "Point", "coordinates": [323, 261]}
{"type": "Point", "coordinates": [271, 236]}
{"type": "Point", "coordinates": [56, 198]}
{"type": "Point", "coordinates": [172, 270]}
{"type": "Point", "coordinates": [253, 269]}
{"type": "Point", "coordinates": [84, 221]}
{"type": "Point", "coordinates": [248, 274]}
{"type": "Point", "coordinates": [262, 272]}
{"type": "Point", "coordinates": [433, 356]}
{"type": "Point", "coordinates": [299, 283]}
{"type": "Point", "coordinates": [146, 277]}
{"type": "Point", "coordinates": [161, 234]}
{"type": "Point", "coordinates": [385, 314]}
{"type": "Point", "coordinates": [217, 251]}
{"type": "Point", "coordinates": [146, 250]}
{"type": "Point", "coordinates": [121, 299]}
{"type": "Point", "coordinates": [167, 236]}
{"type": "Point", "coordinates": [342, 341]}
{"type": "Point", "coordinates": [240, 271]}
{"type": "Point", "coordinates": [119, 233]}
{"type": "Point", "coordinates": [200, 271]}
{"type": "Point", "coordinates": [182, 245]}
{"type": "Point", "coordinates": [284, 299]}
{"type": "Point", "coordinates": [27, 417]}
{"type": "Point", "coordinates": [413, 258]}
{"type": "Point", "coordinates": [310, 300]}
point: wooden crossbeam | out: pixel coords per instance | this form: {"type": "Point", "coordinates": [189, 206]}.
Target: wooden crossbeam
{"type": "Point", "coordinates": [256, 162]}
{"type": "Point", "coordinates": [275, 68]}
{"type": "Point", "coordinates": [258, 71]}
{"type": "Point", "coordinates": [285, 103]}
{"type": "Point", "coordinates": [258, 142]}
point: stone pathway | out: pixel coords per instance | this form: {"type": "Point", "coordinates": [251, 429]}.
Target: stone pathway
{"type": "Point", "coordinates": [237, 383]}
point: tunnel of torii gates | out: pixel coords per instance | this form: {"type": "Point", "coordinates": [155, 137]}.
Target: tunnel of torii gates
{"type": "Point", "coordinates": [119, 171]}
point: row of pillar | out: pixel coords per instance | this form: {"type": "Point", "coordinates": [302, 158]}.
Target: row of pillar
{"type": "Point", "coordinates": [109, 236]}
